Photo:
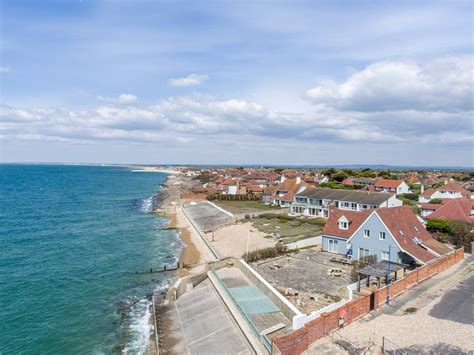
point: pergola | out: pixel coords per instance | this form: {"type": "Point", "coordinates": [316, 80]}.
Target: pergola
{"type": "Point", "coordinates": [380, 269]}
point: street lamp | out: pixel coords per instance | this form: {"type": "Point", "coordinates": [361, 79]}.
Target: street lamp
{"type": "Point", "coordinates": [389, 272]}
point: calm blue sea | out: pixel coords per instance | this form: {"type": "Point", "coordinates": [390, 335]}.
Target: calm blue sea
{"type": "Point", "coordinates": [71, 241]}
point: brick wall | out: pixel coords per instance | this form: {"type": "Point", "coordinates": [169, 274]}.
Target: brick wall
{"type": "Point", "coordinates": [299, 341]}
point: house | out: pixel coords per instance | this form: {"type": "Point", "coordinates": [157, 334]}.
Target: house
{"type": "Point", "coordinates": [317, 201]}
{"type": "Point", "coordinates": [285, 191]}
{"type": "Point", "coordinates": [359, 181]}
{"type": "Point", "coordinates": [448, 190]}
{"type": "Point", "coordinates": [455, 209]}
{"type": "Point", "coordinates": [395, 186]}
{"type": "Point", "coordinates": [388, 233]}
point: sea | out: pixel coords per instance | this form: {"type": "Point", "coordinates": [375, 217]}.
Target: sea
{"type": "Point", "coordinates": [76, 247]}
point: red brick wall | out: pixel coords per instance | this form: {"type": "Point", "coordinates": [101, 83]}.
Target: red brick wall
{"type": "Point", "coordinates": [299, 341]}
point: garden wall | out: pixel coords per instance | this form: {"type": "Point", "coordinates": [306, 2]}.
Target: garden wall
{"type": "Point", "coordinates": [299, 341]}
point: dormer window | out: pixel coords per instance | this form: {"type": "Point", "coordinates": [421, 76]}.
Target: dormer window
{"type": "Point", "coordinates": [366, 233]}
{"type": "Point", "coordinates": [343, 223]}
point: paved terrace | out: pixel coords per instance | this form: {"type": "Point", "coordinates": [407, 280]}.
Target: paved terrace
{"type": "Point", "coordinates": [311, 275]}
{"type": "Point", "coordinates": [199, 323]}
{"type": "Point", "coordinates": [206, 216]}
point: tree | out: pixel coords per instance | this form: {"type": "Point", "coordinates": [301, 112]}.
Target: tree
{"type": "Point", "coordinates": [339, 176]}
{"type": "Point", "coordinates": [439, 225]}
{"type": "Point", "coordinates": [461, 233]}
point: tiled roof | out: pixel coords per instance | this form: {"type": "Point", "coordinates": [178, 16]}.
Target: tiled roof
{"type": "Point", "coordinates": [430, 206]}
{"type": "Point", "coordinates": [405, 227]}
{"type": "Point", "coordinates": [388, 183]}
{"type": "Point", "coordinates": [355, 220]}
{"type": "Point", "coordinates": [456, 209]}
{"type": "Point", "coordinates": [428, 192]}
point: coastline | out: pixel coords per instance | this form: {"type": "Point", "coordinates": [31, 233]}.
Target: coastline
{"type": "Point", "coordinates": [168, 204]}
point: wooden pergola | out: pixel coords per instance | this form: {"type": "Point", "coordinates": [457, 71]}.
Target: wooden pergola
{"type": "Point", "coordinates": [379, 270]}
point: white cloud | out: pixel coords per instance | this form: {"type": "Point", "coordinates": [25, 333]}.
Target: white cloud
{"type": "Point", "coordinates": [121, 99]}
{"type": "Point", "coordinates": [4, 69]}
{"type": "Point", "coordinates": [442, 84]}
{"type": "Point", "coordinates": [127, 98]}
{"type": "Point", "coordinates": [190, 80]}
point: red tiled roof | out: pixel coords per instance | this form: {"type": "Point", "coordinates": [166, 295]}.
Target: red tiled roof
{"type": "Point", "coordinates": [388, 183]}
{"type": "Point", "coordinates": [405, 227]}
{"type": "Point", "coordinates": [456, 209]}
{"type": "Point", "coordinates": [288, 197]}
{"type": "Point", "coordinates": [355, 220]}
{"type": "Point", "coordinates": [428, 192]}
{"type": "Point", "coordinates": [452, 186]}
{"type": "Point", "coordinates": [430, 206]}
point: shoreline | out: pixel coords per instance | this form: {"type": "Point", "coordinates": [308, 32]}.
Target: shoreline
{"type": "Point", "coordinates": [190, 257]}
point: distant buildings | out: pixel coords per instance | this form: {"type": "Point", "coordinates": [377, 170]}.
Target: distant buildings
{"type": "Point", "coordinates": [372, 232]}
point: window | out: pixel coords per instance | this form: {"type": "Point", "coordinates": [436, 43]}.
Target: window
{"type": "Point", "coordinates": [364, 207]}
{"type": "Point", "coordinates": [343, 225]}
{"type": "Point", "coordinates": [333, 246]}
{"type": "Point", "coordinates": [354, 206]}
{"type": "Point", "coordinates": [382, 235]}
{"type": "Point", "coordinates": [384, 255]}
{"type": "Point", "coordinates": [366, 233]}
{"type": "Point", "coordinates": [363, 253]}
{"type": "Point", "coordinates": [346, 204]}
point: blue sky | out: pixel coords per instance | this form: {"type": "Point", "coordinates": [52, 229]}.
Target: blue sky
{"type": "Point", "coordinates": [319, 82]}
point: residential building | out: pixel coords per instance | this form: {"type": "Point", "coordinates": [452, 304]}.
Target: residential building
{"type": "Point", "coordinates": [455, 209]}
{"type": "Point", "coordinates": [394, 186]}
{"type": "Point", "coordinates": [448, 190]}
{"type": "Point", "coordinates": [317, 201]}
{"type": "Point", "coordinates": [388, 233]}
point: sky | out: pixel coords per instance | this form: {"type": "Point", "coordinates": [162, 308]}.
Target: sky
{"type": "Point", "coordinates": [237, 82]}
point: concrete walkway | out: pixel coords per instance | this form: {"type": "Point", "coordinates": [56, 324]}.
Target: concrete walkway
{"type": "Point", "coordinates": [199, 323]}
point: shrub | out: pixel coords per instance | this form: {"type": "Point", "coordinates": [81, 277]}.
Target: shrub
{"type": "Point", "coordinates": [265, 253]}
{"type": "Point", "coordinates": [436, 201]}
{"type": "Point", "coordinates": [439, 225]}
{"type": "Point", "coordinates": [411, 196]}
{"type": "Point", "coordinates": [316, 221]}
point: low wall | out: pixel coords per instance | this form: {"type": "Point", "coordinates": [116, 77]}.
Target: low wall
{"type": "Point", "coordinates": [178, 290]}
{"type": "Point", "coordinates": [299, 341]}
{"type": "Point", "coordinates": [304, 243]}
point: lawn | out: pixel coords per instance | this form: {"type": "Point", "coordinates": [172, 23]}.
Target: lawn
{"type": "Point", "coordinates": [238, 207]}
{"type": "Point", "coordinates": [289, 228]}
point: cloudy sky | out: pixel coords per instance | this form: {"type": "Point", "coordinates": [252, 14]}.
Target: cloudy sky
{"type": "Point", "coordinates": [317, 82]}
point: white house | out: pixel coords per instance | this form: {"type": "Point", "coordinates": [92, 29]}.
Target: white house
{"type": "Point", "coordinates": [317, 201]}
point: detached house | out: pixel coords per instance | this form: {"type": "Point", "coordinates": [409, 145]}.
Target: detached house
{"type": "Point", "coordinates": [454, 209]}
{"type": "Point", "coordinates": [448, 190]}
{"type": "Point", "coordinates": [372, 232]}
{"type": "Point", "coordinates": [393, 186]}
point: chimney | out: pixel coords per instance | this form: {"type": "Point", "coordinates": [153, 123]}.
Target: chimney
{"type": "Point", "coordinates": [445, 182]}
{"type": "Point", "coordinates": [422, 188]}
{"type": "Point", "coordinates": [298, 179]}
